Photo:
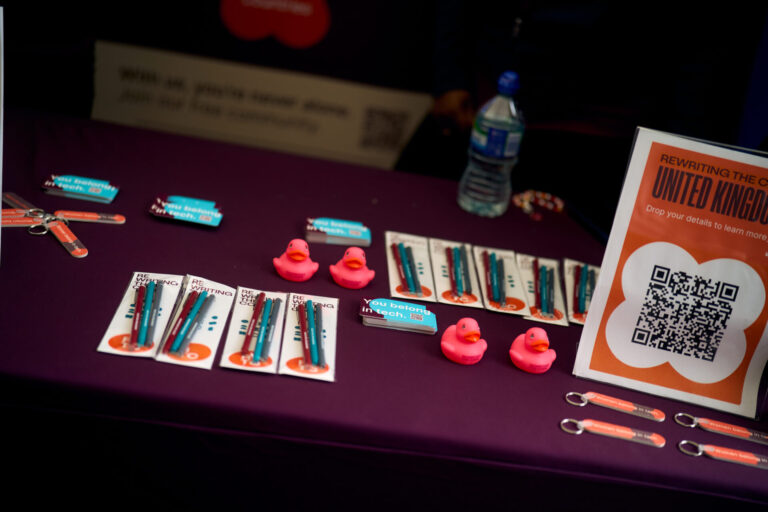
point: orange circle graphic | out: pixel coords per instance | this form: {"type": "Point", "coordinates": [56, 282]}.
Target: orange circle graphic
{"type": "Point", "coordinates": [466, 298]}
{"type": "Point", "coordinates": [122, 342]}
{"type": "Point", "coordinates": [425, 292]}
{"type": "Point", "coordinates": [297, 364]}
{"type": "Point", "coordinates": [195, 352]}
{"type": "Point", "coordinates": [510, 304]}
{"type": "Point", "coordinates": [247, 360]}
{"type": "Point", "coordinates": [536, 312]}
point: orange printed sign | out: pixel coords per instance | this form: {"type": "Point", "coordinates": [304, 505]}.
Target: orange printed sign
{"type": "Point", "coordinates": [680, 305]}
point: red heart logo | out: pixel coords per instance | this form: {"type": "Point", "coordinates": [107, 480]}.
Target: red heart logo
{"type": "Point", "coordinates": [295, 23]}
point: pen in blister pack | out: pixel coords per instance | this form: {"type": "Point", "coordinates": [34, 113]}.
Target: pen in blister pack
{"type": "Point", "coordinates": [146, 313]}
{"type": "Point", "coordinates": [188, 303]}
{"type": "Point", "coordinates": [262, 331]}
{"type": "Point", "coordinates": [301, 311]}
{"type": "Point", "coordinates": [719, 427]}
{"type": "Point", "coordinates": [312, 334]}
{"type": "Point", "coordinates": [319, 334]}
{"type": "Point", "coordinates": [465, 270]}
{"type": "Point", "coordinates": [270, 330]}
{"type": "Point", "coordinates": [451, 274]}
{"type": "Point", "coordinates": [177, 342]}
{"type": "Point", "coordinates": [154, 313]}
{"type": "Point", "coordinates": [196, 324]}
{"type": "Point", "coordinates": [414, 271]}
{"type": "Point", "coordinates": [399, 264]}
{"type": "Point", "coordinates": [500, 280]}
{"type": "Point", "coordinates": [138, 309]}
{"type": "Point", "coordinates": [257, 307]}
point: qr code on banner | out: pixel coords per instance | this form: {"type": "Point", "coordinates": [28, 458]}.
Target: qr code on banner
{"type": "Point", "coordinates": [685, 314]}
{"type": "Point", "coordinates": [383, 128]}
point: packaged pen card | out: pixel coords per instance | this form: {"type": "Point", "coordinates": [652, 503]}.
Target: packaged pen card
{"type": "Point", "coordinates": [409, 266]}
{"type": "Point", "coordinates": [501, 286]}
{"type": "Point", "coordinates": [309, 338]}
{"type": "Point", "coordinates": [80, 187]}
{"type": "Point", "coordinates": [580, 279]}
{"type": "Point", "coordinates": [187, 209]}
{"type": "Point", "coordinates": [138, 323]}
{"type": "Point", "coordinates": [197, 323]}
{"type": "Point", "coordinates": [255, 331]}
{"type": "Point", "coordinates": [541, 278]}
{"type": "Point", "coordinates": [398, 314]}
{"type": "Point", "coordinates": [337, 231]}
{"type": "Point", "coordinates": [454, 273]}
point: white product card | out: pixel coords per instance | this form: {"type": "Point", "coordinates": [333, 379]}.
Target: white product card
{"type": "Point", "coordinates": [502, 287]}
{"type": "Point", "coordinates": [309, 338]}
{"type": "Point", "coordinates": [454, 272]}
{"type": "Point", "coordinates": [255, 331]}
{"type": "Point", "coordinates": [124, 334]}
{"type": "Point", "coordinates": [580, 279]}
{"type": "Point", "coordinates": [409, 267]}
{"type": "Point", "coordinates": [192, 336]}
{"type": "Point", "coordinates": [541, 278]}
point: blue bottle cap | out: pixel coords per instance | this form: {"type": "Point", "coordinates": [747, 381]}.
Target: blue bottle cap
{"type": "Point", "coordinates": [509, 83]}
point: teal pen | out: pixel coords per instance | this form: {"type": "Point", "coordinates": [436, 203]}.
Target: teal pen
{"type": "Point", "coordinates": [320, 337]}
{"type": "Point", "coordinates": [551, 292]}
{"type": "Point", "coordinates": [145, 313]}
{"type": "Point", "coordinates": [494, 279]}
{"type": "Point", "coordinates": [414, 271]}
{"type": "Point", "coordinates": [406, 267]}
{"type": "Point", "coordinates": [270, 330]}
{"type": "Point", "coordinates": [196, 325]}
{"type": "Point", "coordinates": [458, 275]}
{"type": "Point", "coordinates": [188, 322]}
{"type": "Point", "coordinates": [262, 331]}
{"type": "Point", "coordinates": [543, 290]}
{"type": "Point", "coordinates": [583, 289]}
{"type": "Point", "coordinates": [155, 312]}
{"type": "Point", "coordinates": [312, 333]}
{"type": "Point", "coordinates": [501, 280]}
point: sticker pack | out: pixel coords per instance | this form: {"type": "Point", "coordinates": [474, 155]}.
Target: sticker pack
{"type": "Point", "coordinates": [80, 187]}
{"type": "Point", "coordinates": [187, 209]}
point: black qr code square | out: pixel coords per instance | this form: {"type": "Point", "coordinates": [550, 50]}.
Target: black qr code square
{"type": "Point", "coordinates": [383, 128]}
{"type": "Point", "coordinates": [684, 314]}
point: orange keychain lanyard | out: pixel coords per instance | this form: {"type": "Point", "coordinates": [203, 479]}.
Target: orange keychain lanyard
{"type": "Point", "coordinates": [720, 453]}
{"type": "Point", "coordinates": [590, 397]}
{"type": "Point", "coordinates": [719, 427]}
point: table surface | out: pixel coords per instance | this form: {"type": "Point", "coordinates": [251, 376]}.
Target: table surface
{"type": "Point", "coordinates": [394, 391]}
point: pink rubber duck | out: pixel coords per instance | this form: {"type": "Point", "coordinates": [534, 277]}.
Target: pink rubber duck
{"type": "Point", "coordinates": [530, 351]}
{"type": "Point", "coordinates": [461, 342]}
{"type": "Point", "coordinates": [350, 271]}
{"type": "Point", "coordinates": [295, 264]}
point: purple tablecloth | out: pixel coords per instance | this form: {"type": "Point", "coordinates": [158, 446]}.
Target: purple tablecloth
{"type": "Point", "coordinates": [394, 391]}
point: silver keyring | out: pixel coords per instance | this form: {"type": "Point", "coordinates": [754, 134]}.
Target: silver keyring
{"type": "Point", "coordinates": [690, 421]}
{"type": "Point", "coordinates": [684, 447]}
{"type": "Point", "coordinates": [582, 399]}
{"type": "Point", "coordinates": [565, 425]}
{"type": "Point", "coordinates": [38, 229]}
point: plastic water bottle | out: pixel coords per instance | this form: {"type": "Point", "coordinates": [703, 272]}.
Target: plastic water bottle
{"type": "Point", "coordinates": [485, 186]}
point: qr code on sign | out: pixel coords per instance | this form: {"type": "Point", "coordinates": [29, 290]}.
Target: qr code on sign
{"type": "Point", "coordinates": [383, 128]}
{"type": "Point", "coordinates": [685, 314]}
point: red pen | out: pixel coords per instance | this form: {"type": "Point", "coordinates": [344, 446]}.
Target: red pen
{"type": "Point", "coordinates": [257, 307]}
{"type": "Point", "coordinates": [449, 257]}
{"type": "Point", "coordinates": [139, 305]}
{"type": "Point", "coordinates": [302, 312]}
{"type": "Point", "coordinates": [536, 284]}
{"type": "Point", "coordinates": [488, 284]}
{"type": "Point", "coordinates": [399, 264]}
{"type": "Point", "coordinates": [191, 298]}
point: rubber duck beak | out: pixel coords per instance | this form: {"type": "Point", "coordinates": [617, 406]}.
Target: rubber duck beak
{"type": "Point", "coordinates": [354, 263]}
{"type": "Point", "coordinates": [540, 345]}
{"type": "Point", "coordinates": [472, 336]}
{"type": "Point", "coordinates": [297, 255]}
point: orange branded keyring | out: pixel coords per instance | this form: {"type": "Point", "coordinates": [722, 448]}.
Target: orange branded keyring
{"type": "Point", "coordinates": [754, 460]}
{"type": "Point", "coordinates": [602, 428]}
{"type": "Point", "coordinates": [719, 427]}
{"type": "Point", "coordinates": [617, 404]}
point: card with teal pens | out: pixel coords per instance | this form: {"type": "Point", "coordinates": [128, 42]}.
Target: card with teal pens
{"type": "Point", "coordinates": [580, 279]}
{"type": "Point", "coordinates": [80, 187]}
{"type": "Point", "coordinates": [409, 267]}
{"type": "Point", "coordinates": [500, 283]}
{"type": "Point", "coordinates": [187, 209]}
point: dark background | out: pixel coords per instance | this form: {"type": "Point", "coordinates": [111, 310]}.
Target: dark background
{"type": "Point", "coordinates": [591, 72]}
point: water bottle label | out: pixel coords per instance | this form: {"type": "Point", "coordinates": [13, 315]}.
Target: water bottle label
{"type": "Point", "coordinates": [496, 143]}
